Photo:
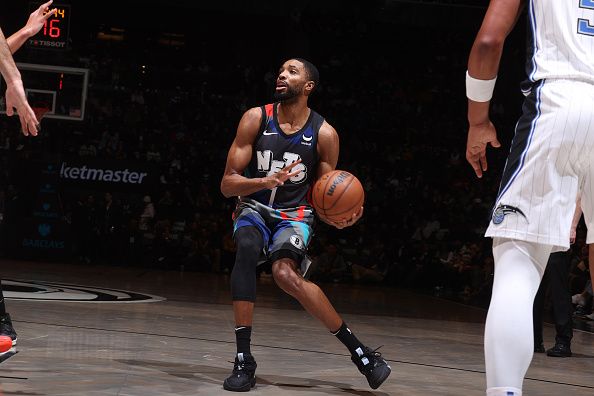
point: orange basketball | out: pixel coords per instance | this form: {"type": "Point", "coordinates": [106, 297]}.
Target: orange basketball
{"type": "Point", "coordinates": [337, 195]}
{"type": "Point", "coordinates": [5, 344]}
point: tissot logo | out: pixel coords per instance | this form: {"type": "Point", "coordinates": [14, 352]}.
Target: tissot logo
{"type": "Point", "coordinates": [46, 43]}
{"type": "Point", "coordinates": [47, 291]}
{"type": "Point", "coordinates": [102, 175]}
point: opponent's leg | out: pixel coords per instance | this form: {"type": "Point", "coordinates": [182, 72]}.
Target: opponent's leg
{"type": "Point", "coordinates": [509, 341]}
{"type": "Point", "coordinates": [590, 259]}
{"type": "Point", "coordinates": [249, 243]}
{"type": "Point", "coordinates": [2, 305]}
{"type": "Point", "coordinates": [313, 299]}
{"type": "Point", "coordinates": [537, 314]}
{"type": "Point", "coordinates": [558, 269]}
{"type": "Point", "coordinates": [6, 328]}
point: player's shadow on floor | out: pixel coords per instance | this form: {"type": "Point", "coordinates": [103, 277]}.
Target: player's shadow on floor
{"type": "Point", "coordinates": [308, 384]}
{"type": "Point", "coordinates": [581, 356]}
{"type": "Point", "coordinates": [8, 354]}
{"type": "Point", "coordinates": [216, 375]}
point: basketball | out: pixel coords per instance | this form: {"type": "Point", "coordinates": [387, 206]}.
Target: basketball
{"type": "Point", "coordinates": [5, 344]}
{"type": "Point", "coordinates": [337, 195]}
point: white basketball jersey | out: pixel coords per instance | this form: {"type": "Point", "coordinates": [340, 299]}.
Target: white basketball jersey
{"type": "Point", "coordinates": [563, 39]}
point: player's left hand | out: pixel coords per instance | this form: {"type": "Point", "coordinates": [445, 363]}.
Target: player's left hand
{"type": "Point", "coordinates": [16, 99]}
{"type": "Point", "coordinates": [476, 146]}
{"type": "Point", "coordinates": [345, 223]}
{"type": "Point", "coordinates": [38, 17]}
{"type": "Point", "coordinates": [572, 235]}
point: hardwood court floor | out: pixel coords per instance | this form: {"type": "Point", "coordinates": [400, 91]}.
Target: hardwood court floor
{"type": "Point", "coordinates": [182, 345]}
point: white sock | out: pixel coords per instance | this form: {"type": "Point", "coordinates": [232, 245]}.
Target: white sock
{"type": "Point", "coordinates": [509, 338]}
{"type": "Point", "coordinates": [504, 392]}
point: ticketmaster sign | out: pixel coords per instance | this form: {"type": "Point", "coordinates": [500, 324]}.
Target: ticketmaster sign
{"type": "Point", "coordinates": [108, 175]}
{"type": "Point", "coordinates": [85, 173]}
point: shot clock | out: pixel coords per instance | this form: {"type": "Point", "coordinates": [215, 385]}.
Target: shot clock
{"type": "Point", "coordinates": [55, 31]}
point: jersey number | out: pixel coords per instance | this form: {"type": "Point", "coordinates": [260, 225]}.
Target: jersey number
{"type": "Point", "coordinates": [584, 26]}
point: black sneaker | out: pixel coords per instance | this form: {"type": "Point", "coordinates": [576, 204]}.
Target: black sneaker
{"type": "Point", "coordinates": [243, 377]}
{"type": "Point", "coordinates": [559, 350]}
{"type": "Point", "coordinates": [539, 348]}
{"type": "Point", "coordinates": [580, 312]}
{"type": "Point", "coordinates": [6, 328]}
{"type": "Point", "coordinates": [371, 364]}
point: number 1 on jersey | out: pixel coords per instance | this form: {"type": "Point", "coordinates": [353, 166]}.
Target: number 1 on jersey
{"type": "Point", "coordinates": [584, 25]}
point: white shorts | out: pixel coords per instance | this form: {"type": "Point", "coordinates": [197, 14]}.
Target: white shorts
{"type": "Point", "coordinates": [551, 159]}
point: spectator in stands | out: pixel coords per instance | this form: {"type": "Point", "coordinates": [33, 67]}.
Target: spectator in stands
{"type": "Point", "coordinates": [148, 214]}
{"type": "Point", "coordinates": [329, 266]}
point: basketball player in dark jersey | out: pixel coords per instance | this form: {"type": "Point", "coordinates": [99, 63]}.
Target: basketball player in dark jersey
{"type": "Point", "coordinates": [279, 151]}
{"type": "Point", "coordinates": [15, 98]}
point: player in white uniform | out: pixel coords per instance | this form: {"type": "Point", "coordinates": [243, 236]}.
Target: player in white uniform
{"type": "Point", "coordinates": [16, 99]}
{"type": "Point", "coordinates": [551, 158]}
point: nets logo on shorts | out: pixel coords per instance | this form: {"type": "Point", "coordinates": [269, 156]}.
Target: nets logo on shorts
{"type": "Point", "coordinates": [296, 241]}
{"type": "Point", "coordinates": [503, 210]}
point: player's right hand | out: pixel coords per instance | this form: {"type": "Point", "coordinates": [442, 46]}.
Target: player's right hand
{"type": "Point", "coordinates": [38, 17]}
{"type": "Point", "coordinates": [280, 177]}
{"type": "Point", "coordinates": [344, 223]}
{"type": "Point", "coordinates": [16, 99]}
{"type": "Point", "coordinates": [476, 146]}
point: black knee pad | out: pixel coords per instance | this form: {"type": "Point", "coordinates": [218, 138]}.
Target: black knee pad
{"type": "Point", "coordinates": [249, 244]}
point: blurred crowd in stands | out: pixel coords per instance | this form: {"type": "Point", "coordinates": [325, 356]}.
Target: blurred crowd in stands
{"type": "Point", "coordinates": [401, 117]}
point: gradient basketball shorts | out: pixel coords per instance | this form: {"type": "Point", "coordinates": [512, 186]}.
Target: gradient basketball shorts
{"type": "Point", "coordinates": [288, 229]}
{"type": "Point", "coordinates": [550, 161]}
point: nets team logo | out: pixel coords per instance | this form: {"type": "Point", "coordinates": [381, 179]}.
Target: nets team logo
{"type": "Point", "coordinates": [49, 291]}
{"type": "Point", "coordinates": [296, 241]}
{"type": "Point", "coordinates": [267, 163]}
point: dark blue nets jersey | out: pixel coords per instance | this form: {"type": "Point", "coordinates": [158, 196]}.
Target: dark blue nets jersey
{"type": "Point", "coordinates": [273, 150]}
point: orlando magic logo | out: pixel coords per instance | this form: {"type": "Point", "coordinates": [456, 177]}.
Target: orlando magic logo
{"type": "Point", "coordinates": [503, 210]}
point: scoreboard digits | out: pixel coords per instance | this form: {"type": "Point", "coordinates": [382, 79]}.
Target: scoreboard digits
{"type": "Point", "coordinates": [55, 31]}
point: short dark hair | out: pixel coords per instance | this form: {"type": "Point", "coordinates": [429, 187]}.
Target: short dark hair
{"type": "Point", "coordinates": [312, 71]}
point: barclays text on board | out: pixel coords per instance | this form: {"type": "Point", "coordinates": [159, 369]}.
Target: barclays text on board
{"type": "Point", "coordinates": [101, 175]}
{"type": "Point", "coordinates": [48, 236]}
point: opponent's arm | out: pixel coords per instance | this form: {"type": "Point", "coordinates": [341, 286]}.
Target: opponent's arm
{"type": "Point", "coordinates": [577, 215]}
{"type": "Point", "coordinates": [233, 183]}
{"type": "Point", "coordinates": [15, 92]}
{"type": "Point", "coordinates": [483, 65]}
{"type": "Point", "coordinates": [32, 27]}
{"type": "Point", "coordinates": [328, 149]}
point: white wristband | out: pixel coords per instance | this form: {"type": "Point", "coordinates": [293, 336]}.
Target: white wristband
{"type": "Point", "coordinates": [479, 90]}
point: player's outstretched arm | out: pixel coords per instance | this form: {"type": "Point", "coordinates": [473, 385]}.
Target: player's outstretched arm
{"type": "Point", "coordinates": [328, 149]}
{"type": "Point", "coordinates": [34, 24]}
{"type": "Point", "coordinates": [233, 183]}
{"type": "Point", "coordinates": [483, 65]}
{"type": "Point", "coordinates": [15, 92]}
